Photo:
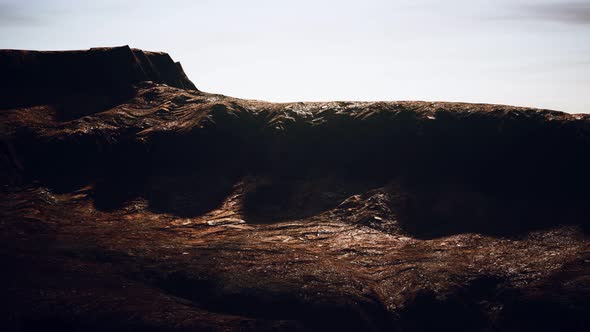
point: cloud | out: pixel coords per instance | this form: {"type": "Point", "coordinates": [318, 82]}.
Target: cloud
{"type": "Point", "coordinates": [564, 12]}
{"type": "Point", "coordinates": [11, 15]}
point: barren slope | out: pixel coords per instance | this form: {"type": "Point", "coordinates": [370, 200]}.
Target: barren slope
{"type": "Point", "coordinates": [173, 209]}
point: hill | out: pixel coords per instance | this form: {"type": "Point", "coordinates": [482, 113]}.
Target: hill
{"type": "Point", "coordinates": [132, 200]}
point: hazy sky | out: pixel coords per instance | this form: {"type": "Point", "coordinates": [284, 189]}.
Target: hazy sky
{"type": "Point", "coordinates": [520, 52]}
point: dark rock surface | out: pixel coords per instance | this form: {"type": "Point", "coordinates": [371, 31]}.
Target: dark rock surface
{"type": "Point", "coordinates": [167, 208]}
{"type": "Point", "coordinates": [38, 77]}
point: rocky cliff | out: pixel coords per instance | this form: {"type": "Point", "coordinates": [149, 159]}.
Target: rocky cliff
{"type": "Point", "coordinates": [167, 208]}
{"type": "Point", "coordinates": [34, 77]}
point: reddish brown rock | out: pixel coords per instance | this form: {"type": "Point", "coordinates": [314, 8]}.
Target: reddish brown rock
{"type": "Point", "coordinates": [173, 209]}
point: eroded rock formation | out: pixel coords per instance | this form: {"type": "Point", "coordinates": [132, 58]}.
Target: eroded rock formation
{"type": "Point", "coordinates": [167, 208]}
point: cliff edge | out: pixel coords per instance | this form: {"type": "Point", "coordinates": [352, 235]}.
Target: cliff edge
{"type": "Point", "coordinates": [30, 77]}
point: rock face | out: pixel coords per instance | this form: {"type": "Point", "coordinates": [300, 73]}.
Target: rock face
{"type": "Point", "coordinates": [167, 208]}
{"type": "Point", "coordinates": [33, 77]}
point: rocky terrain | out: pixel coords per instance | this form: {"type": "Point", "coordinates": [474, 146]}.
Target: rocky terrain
{"type": "Point", "coordinates": [133, 201]}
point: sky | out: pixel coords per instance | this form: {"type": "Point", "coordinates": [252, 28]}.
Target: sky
{"type": "Point", "coordinates": [519, 52]}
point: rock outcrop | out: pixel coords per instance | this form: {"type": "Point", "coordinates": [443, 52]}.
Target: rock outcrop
{"type": "Point", "coordinates": [168, 208]}
{"type": "Point", "coordinates": [33, 77]}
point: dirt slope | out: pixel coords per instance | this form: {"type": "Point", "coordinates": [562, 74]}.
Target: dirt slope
{"type": "Point", "coordinates": [146, 204]}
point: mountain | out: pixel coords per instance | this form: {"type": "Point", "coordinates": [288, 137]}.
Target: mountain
{"type": "Point", "coordinates": [132, 200]}
{"type": "Point", "coordinates": [38, 77]}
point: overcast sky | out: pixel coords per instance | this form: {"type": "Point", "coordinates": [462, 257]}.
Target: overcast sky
{"type": "Point", "coordinates": [520, 52]}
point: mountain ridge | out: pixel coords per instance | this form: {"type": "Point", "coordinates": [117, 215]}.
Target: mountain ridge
{"type": "Point", "coordinates": [44, 76]}
{"type": "Point", "coordinates": [159, 207]}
